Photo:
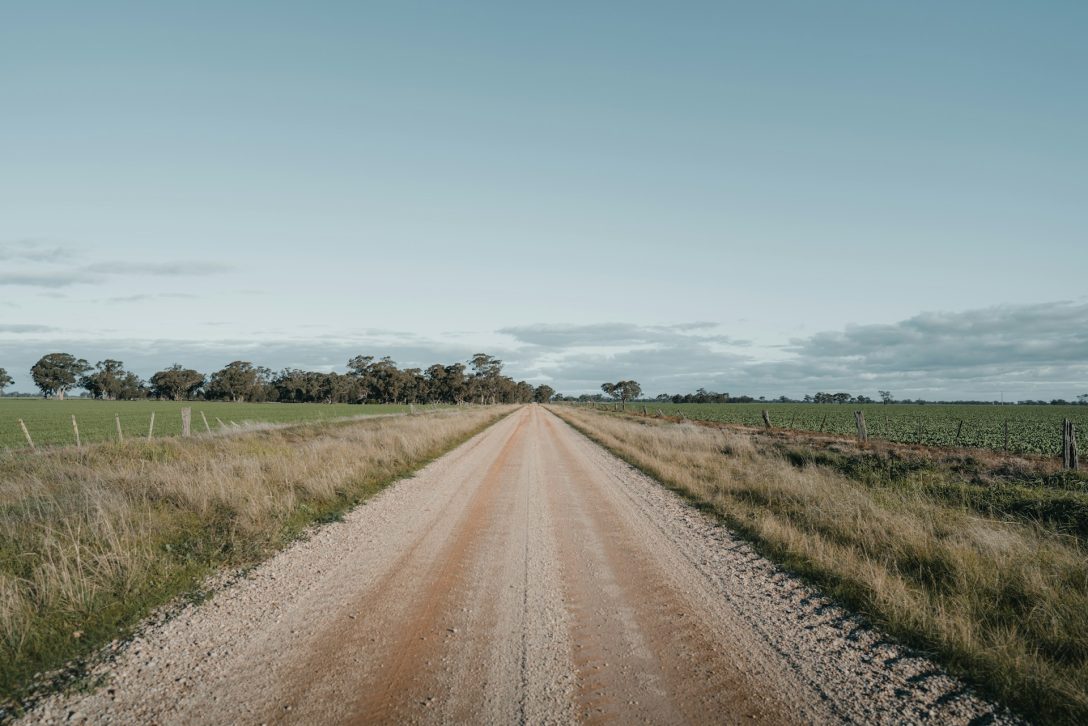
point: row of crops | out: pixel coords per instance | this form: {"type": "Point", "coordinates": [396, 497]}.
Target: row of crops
{"type": "Point", "coordinates": [50, 422]}
{"type": "Point", "coordinates": [1031, 429]}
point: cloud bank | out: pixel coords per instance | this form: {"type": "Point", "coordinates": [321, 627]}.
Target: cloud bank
{"type": "Point", "coordinates": [1019, 351]}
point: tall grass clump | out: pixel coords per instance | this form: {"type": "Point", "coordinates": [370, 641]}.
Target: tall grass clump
{"type": "Point", "coordinates": [997, 594]}
{"type": "Point", "coordinates": [92, 540]}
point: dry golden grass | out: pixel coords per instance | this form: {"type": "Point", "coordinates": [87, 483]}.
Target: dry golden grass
{"type": "Point", "coordinates": [92, 540]}
{"type": "Point", "coordinates": [1003, 602]}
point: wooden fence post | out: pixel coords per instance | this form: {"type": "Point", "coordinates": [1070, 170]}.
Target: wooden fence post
{"type": "Point", "coordinates": [859, 419]}
{"type": "Point", "coordinates": [1069, 445]}
{"type": "Point", "coordinates": [1073, 463]}
{"type": "Point", "coordinates": [27, 434]}
{"type": "Point", "coordinates": [117, 420]}
{"type": "Point", "coordinates": [1065, 443]}
{"type": "Point", "coordinates": [206, 426]}
{"type": "Point", "coordinates": [766, 419]}
{"type": "Point", "coordinates": [186, 417]}
{"type": "Point", "coordinates": [75, 427]}
{"type": "Point", "coordinates": [151, 427]}
{"type": "Point", "coordinates": [1006, 436]}
{"type": "Point", "coordinates": [959, 430]}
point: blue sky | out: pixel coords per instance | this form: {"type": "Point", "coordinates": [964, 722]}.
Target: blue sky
{"type": "Point", "coordinates": [761, 197]}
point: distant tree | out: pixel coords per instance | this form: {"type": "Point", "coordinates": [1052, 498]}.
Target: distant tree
{"type": "Point", "coordinates": [1082, 398]}
{"type": "Point", "coordinates": [131, 387]}
{"type": "Point", "coordinates": [176, 383]}
{"type": "Point", "coordinates": [485, 385]}
{"type": "Point", "coordinates": [446, 384]}
{"type": "Point", "coordinates": [239, 381]}
{"type": "Point", "coordinates": [543, 393]}
{"type": "Point", "coordinates": [623, 390]}
{"type": "Point", "coordinates": [885, 397]}
{"type": "Point", "coordinates": [807, 398]}
{"type": "Point", "coordinates": [57, 373]}
{"type": "Point", "coordinates": [5, 380]}
{"type": "Point", "coordinates": [106, 380]}
{"type": "Point", "coordinates": [841, 397]}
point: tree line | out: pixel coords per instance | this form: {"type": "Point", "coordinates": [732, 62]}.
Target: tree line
{"type": "Point", "coordinates": [367, 380]}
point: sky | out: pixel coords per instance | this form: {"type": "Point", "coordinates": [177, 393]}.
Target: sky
{"type": "Point", "coordinates": [763, 198]}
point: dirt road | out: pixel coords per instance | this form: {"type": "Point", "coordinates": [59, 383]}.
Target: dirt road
{"type": "Point", "coordinates": [527, 577]}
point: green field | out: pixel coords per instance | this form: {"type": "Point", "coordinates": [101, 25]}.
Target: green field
{"type": "Point", "coordinates": [50, 421]}
{"type": "Point", "coordinates": [1032, 429]}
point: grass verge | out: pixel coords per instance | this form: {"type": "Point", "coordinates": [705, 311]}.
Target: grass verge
{"type": "Point", "coordinates": [981, 564]}
{"type": "Point", "coordinates": [92, 541]}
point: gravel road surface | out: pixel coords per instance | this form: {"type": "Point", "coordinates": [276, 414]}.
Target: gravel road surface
{"type": "Point", "coordinates": [526, 577]}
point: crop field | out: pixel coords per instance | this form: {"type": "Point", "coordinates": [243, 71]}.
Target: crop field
{"type": "Point", "coordinates": [1032, 429]}
{"type": "Point", "coordinates": [50, 421]}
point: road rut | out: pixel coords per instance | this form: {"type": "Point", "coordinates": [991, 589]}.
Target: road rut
{"type": "Point", "coordinates": [526, 577]}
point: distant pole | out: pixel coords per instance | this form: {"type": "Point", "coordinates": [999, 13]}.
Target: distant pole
{"type": "Point", "coordinates": [117, 420]}
{"type": "Point", "coordinates": [151, 427]}
{"type": "Point", "coordinates": [766, 419]}
{"type": "Point", "coordinates": [26, 433]}
{"type": "Point", "coordinates": [75, 427]}
{"type": "Point", "coordinates": [959, 430]}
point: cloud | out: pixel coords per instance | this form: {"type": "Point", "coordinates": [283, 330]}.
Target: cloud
{"type": "Point", "coordinates": [149, 296]}
{"type": "Point", "coordinates": [616, 334]}
{"type": "Point", "coordinates": [47, 280]}
{"type": "Point", "coordinates": [50, 266]}
{"type": "Point", "coordinates": [34, 250]}
{"type": "Point", "coordinates": [1006, 335]}
{"type": "Point", "coordinates": [25, 328]}
{"type": "Point", "coordinates": [1026, 351]}
{"type": "Point", "coordinates": [176, 268]}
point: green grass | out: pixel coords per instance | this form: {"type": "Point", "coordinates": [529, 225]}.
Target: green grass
{"type": "Point", "coordinates": [1033, 429]}
{"type": "Point", "coordinates": [50, 421]}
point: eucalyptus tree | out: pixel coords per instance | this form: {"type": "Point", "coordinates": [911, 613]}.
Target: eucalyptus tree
{"type": "Point", "coordinates": [57, 373]}
{"type": "Point", "coordinates": [239, 381]}
{"type": "Point", "coordinates": [176, 383]}
{"type": "Point", "coordinates": [623, 391]}
{"type": "Point", "coordinates": [110, 380]}
{"type": "Point", "coordinates": [543, 393]}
